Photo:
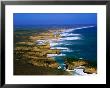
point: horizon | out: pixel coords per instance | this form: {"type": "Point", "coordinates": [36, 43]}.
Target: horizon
{"type": "Point", "coordinates": [56, 25]}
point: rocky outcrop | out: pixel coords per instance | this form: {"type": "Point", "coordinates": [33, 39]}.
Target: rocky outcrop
{"type": "Point", "coordinates": [90, 70]}
{"type": "Point", "coordinates": [81, 64]}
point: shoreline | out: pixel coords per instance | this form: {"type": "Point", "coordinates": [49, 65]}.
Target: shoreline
{"type": "Point", "coordinates": [37, 49]}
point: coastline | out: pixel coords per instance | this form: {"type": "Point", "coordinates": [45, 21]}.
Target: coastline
{"type": "Point", "coordinates": [36, 51]}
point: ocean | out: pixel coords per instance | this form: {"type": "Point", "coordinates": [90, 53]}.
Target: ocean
{"type": "Point", "coordinates": [79, 42]}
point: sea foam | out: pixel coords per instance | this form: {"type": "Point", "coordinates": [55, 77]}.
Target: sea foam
{"type": "Point", "coordinates": [52, 55]}
{"type": "Point", "coordinates": [69, 34]}
{"type": "Point", "coordinates": [72, 29]}
{"type": "Point", "coordinates": [70, 38]}
{"type": "Point", "coordinates": [61, 48]}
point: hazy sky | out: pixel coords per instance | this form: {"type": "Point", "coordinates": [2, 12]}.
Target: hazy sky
{"type": "Point", "coordinates": [54, 18]}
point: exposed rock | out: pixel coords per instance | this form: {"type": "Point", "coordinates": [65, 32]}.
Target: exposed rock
{"type": "Point", "coordinates": [90, 70]}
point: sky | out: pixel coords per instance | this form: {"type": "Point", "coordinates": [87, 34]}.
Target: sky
{"type": "Point", "coordinates": [54, 18]}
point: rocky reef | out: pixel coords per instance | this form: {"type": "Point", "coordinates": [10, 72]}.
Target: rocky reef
{"type": "Point", "coordinates": [82, 64]}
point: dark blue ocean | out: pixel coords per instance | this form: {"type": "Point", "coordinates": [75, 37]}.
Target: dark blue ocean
{"type": "Point", "coordinates": [80, 42]}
